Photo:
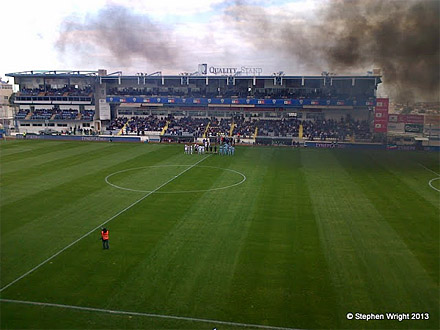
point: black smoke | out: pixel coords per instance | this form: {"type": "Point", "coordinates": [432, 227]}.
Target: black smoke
{"type": "Point", "coordinates": [119, 34]}
{"type": "Point", "coordinates": [401, 37]}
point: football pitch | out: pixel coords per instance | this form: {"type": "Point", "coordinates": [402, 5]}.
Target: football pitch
{"type": "Point", "coordinates": [269, 238]}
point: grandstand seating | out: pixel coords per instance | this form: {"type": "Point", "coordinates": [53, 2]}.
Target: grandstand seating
{"type": "Point", "coordinates": [22, 113]}
{"type": "Point", "coordinates": [330, 129]}
{"type": "Point", "coordinates": [187, 126]}
{"type": "Point", "coordinates": [42, 114]}
{"type": "Point", "coordinates": [251, 93]}
{"type": "Point", "coordinates": [30, 91]}
{"type": "Point", "coordinates": [87, 115]}
{"type": "Point", "coordinates": [138, 125]}
{"type": "Point", "coordinates": [65, 91]}
{"type": "Point", "coordinates": [66, 114]}
{"type": "Point", "coordinates": [241, 106]}
{"type": "Point", "coordinates": [55, 114]}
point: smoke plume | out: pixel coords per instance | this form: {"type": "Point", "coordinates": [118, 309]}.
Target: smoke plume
{"type": "Point", "coordinates": [120, 35]}
{"type": "Point", "coordinates": [401, 37]}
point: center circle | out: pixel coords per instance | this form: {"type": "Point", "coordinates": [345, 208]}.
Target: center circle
{"type": "Point", "coordinates": [132, 179]}
{"type": "Point", "coordinates": [434, 186]}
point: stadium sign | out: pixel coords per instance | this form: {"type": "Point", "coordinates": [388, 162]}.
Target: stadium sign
{"type": "Point", "coordinates": [414, 128]}
{"type": "Point", "coordinates": [247, 71]}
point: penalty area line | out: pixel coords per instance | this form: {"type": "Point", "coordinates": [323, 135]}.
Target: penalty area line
{"type": "Point", "coordinates": [161, 316]}
{"type": "Point", "coordinates": [99, 226]}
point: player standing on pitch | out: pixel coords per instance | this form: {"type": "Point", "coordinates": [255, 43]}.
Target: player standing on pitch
{"type": "Point", "coordinates": [104, 238]}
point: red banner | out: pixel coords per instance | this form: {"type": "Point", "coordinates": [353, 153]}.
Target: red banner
{"type": "Point", "coordinates": [381, 115]}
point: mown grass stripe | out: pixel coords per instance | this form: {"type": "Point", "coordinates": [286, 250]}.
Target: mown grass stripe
{"type": "Point", "coordinates": [281, 262]}
{"type": "Point", "coordinates": [301, 242]}
{"type": "Point", "coordinates": [97, 227]}
{"type": "Point", "coordinates": [33, 156]}
{"type": "Point", "coordinates": [40, 179]}
{"type": "Point", "coordinates": [56, 160]}
{"type": "Point", "coordinates": [19, 148]}
{"type": "Point", "coordinates": [371, 266]}
{"type": "Point", "coordinates": [379, 182]}
{"type": "Point", "coordinates": [48, 218]}
{"type": "Point", "coordinates": [191, 255]}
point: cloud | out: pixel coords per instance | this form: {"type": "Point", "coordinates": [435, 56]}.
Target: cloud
{"type": "Point", "coordinates": [298, 37]}
{"type": "Point", "coordinates": [126, 35]}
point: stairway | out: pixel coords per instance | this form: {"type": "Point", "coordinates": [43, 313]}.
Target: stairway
{"type": "Point", "coordinates": [122, 129]}
{"type": "Point", "coordinates": [164, 129]}
{"type": "Point", "coordinates": [231, 131]}
{"type": "Point", "coordinates": [206, 130]}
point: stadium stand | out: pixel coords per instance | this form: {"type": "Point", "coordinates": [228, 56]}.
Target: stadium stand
{"type": "Point", "coordinates": [22, 114]}
{"type": "Point", "coordinates": [42, 114]}
{"type": "Point", "coordinates": [87, 115]}
{"type": "Point", "coordinates": [137, 125]}
{"type": "Point", "coordinates": [199, 106]}
{"type": "Point", "coordinates": [66, 114]}
{"type": "Point", "coordinates": [187, 126]}
{"type": "Point", "coordinates": [65, 91]}
{"type": "Point", "coordinates": [342, 130]}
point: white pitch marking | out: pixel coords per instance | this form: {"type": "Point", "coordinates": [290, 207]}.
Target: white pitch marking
{"type": "Point", "coordinates": [172, 317]}
{"type": "Point", "coordinates": [430, 181]}
{"type": "Point", "coordinates": [97, 227]}
{"type": "Point", "coordinates": [430, 184]}
{"type": "Point", "coordinates": [175, 192]}
{"type": "Point", "coordinates": [429, 169]}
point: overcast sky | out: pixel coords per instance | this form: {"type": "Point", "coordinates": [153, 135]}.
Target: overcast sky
{"type": "Point", "coordinates": [195, 32]}
{"type": "Point", "coordinates": [298, 37]}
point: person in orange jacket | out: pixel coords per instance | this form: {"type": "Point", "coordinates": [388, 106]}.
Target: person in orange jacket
{"type": "Point", "coordinates": [104, 238]}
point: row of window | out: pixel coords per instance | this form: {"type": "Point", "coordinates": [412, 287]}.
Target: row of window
{"type": "Point", "coordinates": [51, 124]}
{"type": "Point", "coordinates": [53, 98]}
{"type": "Point", "coordinates": [309, 115]}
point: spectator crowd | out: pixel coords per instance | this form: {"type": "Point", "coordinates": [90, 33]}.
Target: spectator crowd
{"type": "Point", "coordinates": [55, 113]}
{"type": "Point", "coordinates": [65, 91]}
{"type": "Point", "coordinates": [238, 126]}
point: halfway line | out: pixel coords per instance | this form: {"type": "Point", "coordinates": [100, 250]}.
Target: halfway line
{"type": "Point", "coordinates": [161, 316]}
{"type": "Point", "coordinates": [97, 227]}
{"type": "Point", "coordinates": [429, 169]}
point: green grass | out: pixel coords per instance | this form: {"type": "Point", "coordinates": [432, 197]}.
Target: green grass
{"type": "Point", "coordinates": [310, 236]}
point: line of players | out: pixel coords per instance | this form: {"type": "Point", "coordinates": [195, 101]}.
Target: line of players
{"type": "Point", "coordinates": [207, 147]}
